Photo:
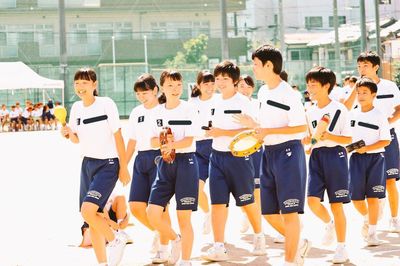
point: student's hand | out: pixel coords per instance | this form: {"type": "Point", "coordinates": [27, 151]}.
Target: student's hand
{"type": "Point", "coordinates": [306, 140]}
{"type": "Point", "coordinates": [123, 175]}
{"type": "Point", "coordinates": [362, 150]}
{"type": "Point", "coordinates": [244, 120]}
{"type": "Point", "coordinates": [66, 132]}
{"type": "Point", "coordinates": [113, 225]}
{"type": "Point", "coordinates": [326, 136]}
{"type": "Point", "coordinates": [213, 132]}
{"type": "Point", "coordinates": [260, 133]}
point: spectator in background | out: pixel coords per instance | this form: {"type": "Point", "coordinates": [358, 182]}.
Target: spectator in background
{"type": "Point", "coordinates": [284, 75]}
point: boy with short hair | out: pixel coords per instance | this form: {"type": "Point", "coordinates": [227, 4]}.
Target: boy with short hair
{"type": "Point", "coordinates": [282, 126]}
{"type": "Point", "coordinates": [367, 164]}
{"type": "Point", "coordinates": [328, 167]}
{"type": "Point", "coordinates": [230, 174]}
{"type": "Point", "coordinates": [388, 102]}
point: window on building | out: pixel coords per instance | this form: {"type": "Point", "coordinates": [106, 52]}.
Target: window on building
{"type": "Point", "coordinates": [341, 20]}
{"type": "Point", "coordinates": [79, 35]}
{"type": "Point", "coordinates": [295, 55]}
{"type": "Point", "coordinates": [3, 39]}
{"type": "Point", "coordinates": [313, 22]}
{"type": "Point", "coordinates": [44, 34]}
{"type": "Point", "coordinates": [8, 3]}
{"type": "Point", "coordinates": [47, 4]}
{"type": "Point", "coordinates": [179, 30]}
{"type": "Point", "coordinates": [385, 2]}
{"type": "Point", "coordinates": [123, 30]}
{"type": "Point", "coordinates": [331, 55]}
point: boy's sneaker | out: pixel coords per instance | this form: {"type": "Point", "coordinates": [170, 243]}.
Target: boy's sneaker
{"type": "Point", "coordinates": [372, 240]}
{"type": "Point", "coordinates": [116, 248]}
{"type": "Point", "coordinates": [364, 229]}
{"type": "Point", "coordinates": [207, 224]}
{"type": "Point", "coordinates": [155, 245]}
{"type": "Point", "coordinates": [245, 224]}
{"type": "Point", "coordinates": [176, 249]}
{"type": "Point", "coordinates": [394, 225]}
{"type": "Point", "coordinates": [161, 257]}
{"type": "Point", "coordinates": [279, 239]}
{"type": "Point", "coordinates": [216, 254]}
{"type": "Point", "coordinates": [341, 256]}
{"type": "Point", "coordinates": [329, 235]}
{"type": "Point", "coordinates": [259, 245]}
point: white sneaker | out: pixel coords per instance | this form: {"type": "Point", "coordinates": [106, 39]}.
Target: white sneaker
{"type": "Point", "coordinates": [372, 240]}
{"type": "Point", "coordinates": [176, 249]}
{"type": "Point", "coordinates": [364, 229]}
{"type": "Point", "coordinates": [116, 248]}
{"type": "Point", "coordinates": [161, 257]}
{"type": "Point", "coordinates": [279, 239]}
{"type": "Point", "coordinates": [302, 251]}
{"type": "Point", "coordinates": [259, 245]}
{"type": "Point", "coordinates": [394, 225]}
{"type": "Point", "coordinates": [382, 203]}
{"type": "Point", "coordinates": [207, 224]}
{"type": "Point", "coordinates": [245, 224]}
{"type": "Point", "coordinates": [216, 254]}
{"type": "Point", "coordinates": [329, 235]}
{"type": "Point", "coordinates": [155, 246]}
{"type": "Point", "coordinates": [341, 255]}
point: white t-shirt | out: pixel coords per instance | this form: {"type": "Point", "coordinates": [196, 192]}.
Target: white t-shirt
{"type": "Point", "coordinates": [19, 110]}
{"type": "Point", "coordinates": [26, 114]}
{"type": "Point", "coordinates": [337, 94]}
{"type": "Point", "coordinates": [183, 114]}
{"type": "Point", "coordinates": [387, 98]}
{"type": "Point", "coordinates": [95, 126]}
{"type": "Point", "coordinates": [4, 112]}
{"type": "Point", "coordinates": [224, 111]}
{"type": "Point", "coordinates": [205, 110]}
{"type": "Point", "coordinates": [139, 126]}
{"type": "Point", "coordinates": [281, 107]}
{"type": "Point", "coordinates": [370, 126]}
{"type": "Point", "coordinates": [338, 125]}
{"type": "Point", "coordinates": [14, 114]}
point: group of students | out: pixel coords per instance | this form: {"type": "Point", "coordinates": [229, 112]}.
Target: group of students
{"type": "Point", "coordinates": [36, 116]}
{"type": "Point", "coordinates": [270, 183]}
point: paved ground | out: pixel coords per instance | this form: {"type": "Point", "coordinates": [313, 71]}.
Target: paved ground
{"type": "Point", "coordinates": [40, 220]}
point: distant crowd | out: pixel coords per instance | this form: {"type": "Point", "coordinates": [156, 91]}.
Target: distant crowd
{"type": "Point", "coordinates": [33, 117]}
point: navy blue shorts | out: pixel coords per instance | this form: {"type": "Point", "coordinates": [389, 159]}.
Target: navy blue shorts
{"type": "Point", "coordinates": [367, 176]}
{"type": "Point", "coordinates": [230, 174]}
{"type": "Point", "coordinates": [392, 157]}
{"type": "Point", "coordinates": [328, 169]}
{"type": "Point", "coordinates": [98, 179]}
{"type": "Point", "coordinates": [283, 179]}
{"type": "Point", "coordinates": [203, 151]}
{"type": "Point", "coordinates": [144, 174]}
{"type": "Point", "coordinates": [180, 178]}
{"type": "Point", "coordinates": [257, 158]}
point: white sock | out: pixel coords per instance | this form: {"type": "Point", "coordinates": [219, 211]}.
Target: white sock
{"type": "Point", "coordinates": [164, 248]}
{"type": "Point", "coordinates": [219, 245]}
{"type": "Point", "coordinates": [185, 261]}
{"type": "Point", "coordinates": [261, 234]}
{"type": "Point", "coordinates": [394, 218]}
{"type": "Point", "coordinates": [366, 218]}
{"type": "Point", "coordinates": [102, 264]}
{"type": "Point", "coordinates": [341, 244]}
{"type": "Point", "coordinates": [290, 263]}
{"type": "Point", "coordinates": [371, 229]}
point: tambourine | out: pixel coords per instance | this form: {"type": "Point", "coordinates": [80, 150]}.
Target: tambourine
{"type": "Point", "coordinates": [245, 143]}
{"type": "Point", "coordinates": [167, 157]}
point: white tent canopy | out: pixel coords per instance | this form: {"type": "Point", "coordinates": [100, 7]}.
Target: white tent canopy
{"type": "Point", "coordinates": [17, 75]}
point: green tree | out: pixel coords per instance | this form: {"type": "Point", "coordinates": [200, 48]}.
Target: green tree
{"type": "Point", "coordinates": [193, 53]}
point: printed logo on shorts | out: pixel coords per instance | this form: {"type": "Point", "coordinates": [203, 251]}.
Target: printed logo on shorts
{"type": "Point", "coordinates": [245, 197]}
{"type": "Point", "coordinates": [341, 154]}
{"type": "Point", "coordinates": [159, 122]}
{"type": "Point", "coordinates": [191, 161]}
{"type": "Point", "coordinates": [378, 189]}
{"type": "Point", "coordinates": [110, 161]}
{"type": "Point", "coordinates": [290, 203]}
{"type": "Point", "coordinates": [341, 193]}
{"type": "Point", "coordinates": [288, 152]}
{"type": "Point", "coordinates": [93, 194]}
{"type": "Point", "coordinates": [188, 201]}
{"type": "Point", "coordinates": [392, 171]}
